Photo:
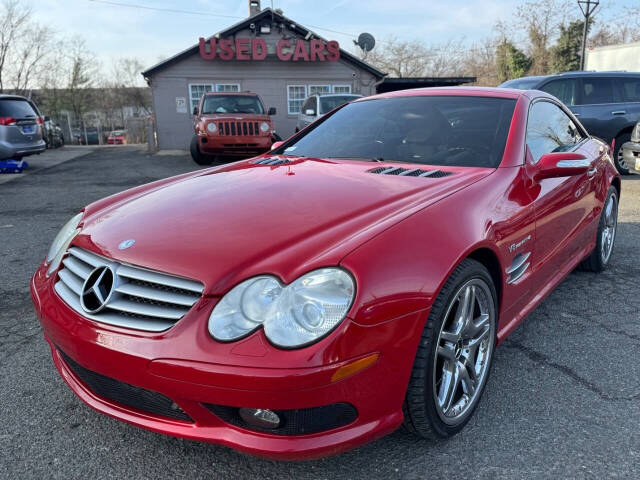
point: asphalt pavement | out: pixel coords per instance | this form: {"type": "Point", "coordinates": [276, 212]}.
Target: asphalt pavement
{"type": "Point", "coordinates": [563, 399]}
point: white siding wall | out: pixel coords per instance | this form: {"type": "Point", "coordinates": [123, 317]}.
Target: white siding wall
{"type": "Point", "coordinates": [268, 78]}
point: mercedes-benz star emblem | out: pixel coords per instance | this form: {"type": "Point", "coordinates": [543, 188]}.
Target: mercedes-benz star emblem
{"type": "Point", "coordinates": [126, 244]}
{"type": "Point", "coordinates": [97, 289]}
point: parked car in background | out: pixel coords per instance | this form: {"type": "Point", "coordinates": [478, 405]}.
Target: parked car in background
{"type": "Point", "coordinates": [232, 125]}
{"type": "Point", "coordinates": [606, 103]}
{"type": "Point", "coordinates": [316, 106]}
{"type": "Point", "coordinates": [117, 137]}
{"type": "Point", "coordinates": [21, 132]}
{"type": "Point", "coordinates": [631, 151]}
{"type": "Point", "coordinates": [52, 133]}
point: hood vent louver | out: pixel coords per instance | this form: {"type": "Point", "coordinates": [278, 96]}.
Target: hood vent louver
{"type": "Point", "coordinates": [413, 172]}
{"type": "Point", "coordinates": [272, 161]}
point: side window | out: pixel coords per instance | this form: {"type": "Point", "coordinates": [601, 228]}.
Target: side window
{"type": "Point", "coordinates": [565, 90]}
{"type": "Point", "coordinates": [597, 90]}
{"type": "Point", "coordinates": [549, 129]}
{"type": "Point", "coordinates": [629, 89]}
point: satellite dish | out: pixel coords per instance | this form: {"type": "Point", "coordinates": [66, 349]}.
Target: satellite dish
{"type": "Point", "coordinates": [366, 42]}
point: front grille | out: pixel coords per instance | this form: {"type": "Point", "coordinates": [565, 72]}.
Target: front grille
{"type": "Point", "coordinates": [227, 128]}
{"type": "Point", "coordinates": [140, 298]}
{"type": "Point", "coordinates": [125, 394]}
{"type": "Point", "coordinates": [410, 172]}
{"type": "Point", "coordinates": [302, 421]}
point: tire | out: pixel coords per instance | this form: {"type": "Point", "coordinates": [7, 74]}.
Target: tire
{"type": "Point", "coordinates": [617, 153]}
{"type": "Point", "coordinates": [197, 156]}
{"type": "Point", "coordinates": [423, 414]}
{"type": "Point", "coordinates": [600, 257]}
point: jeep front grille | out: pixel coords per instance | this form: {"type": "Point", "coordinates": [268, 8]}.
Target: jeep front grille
{"type": "Point", "coordinates": [140, 298]}
{"type": "Point", "coordinates": [226, 128]}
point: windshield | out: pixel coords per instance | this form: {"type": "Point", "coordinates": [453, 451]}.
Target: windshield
{"type": "Point", "coordinates": [433, 130]}
{"type": "Point", "coordinates": [521, 83]}
{"type": "Point", "coordinates": [117, 133]}
{"type": "Point", "coordinates": [329, 103]}
{"type": "Point", "coordinates": [232, 104]}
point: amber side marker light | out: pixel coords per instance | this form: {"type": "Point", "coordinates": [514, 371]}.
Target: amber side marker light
{"type": "Point", "coordinates": [354, 367]}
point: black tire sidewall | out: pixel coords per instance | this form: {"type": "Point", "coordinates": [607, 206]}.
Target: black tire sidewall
{"type": "Point", "coordinates": [598, 251]}
{"type": "Point", "coordinates": [196, 155]}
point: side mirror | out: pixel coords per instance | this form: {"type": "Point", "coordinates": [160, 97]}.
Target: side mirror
{"type": "Point", "coordinates": [309, 111]}
{"type": "Point", "coordinates": [195, 110]}
{"type": "Point", "coordinates": [272, 111]}
{"type": "Point", "coordinates": [276, 145]}
{"type": "Point", "coordinates": [561, 164]}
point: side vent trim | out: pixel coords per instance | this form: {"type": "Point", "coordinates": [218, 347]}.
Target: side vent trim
{"type": "Point", "coordinates": [518, 267]}
{"type": "Point", "coordinates": [410, 172]}
{"type": "Point", "coordinates": [272, 161]}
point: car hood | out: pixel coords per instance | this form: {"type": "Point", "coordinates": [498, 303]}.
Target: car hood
{"type": "Point", "coordinates": [225, 224]}
{"type": "Point", "coordinates": [234, 117]}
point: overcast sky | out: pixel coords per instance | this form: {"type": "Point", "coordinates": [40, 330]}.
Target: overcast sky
{"type": "Point", "coordinates": [113, 31]}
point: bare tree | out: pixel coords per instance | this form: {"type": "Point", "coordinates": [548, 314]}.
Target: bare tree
{"type": "Point", "coordinates": [30, 55]}
{"type": "Point", "coordinates": [13, 16]}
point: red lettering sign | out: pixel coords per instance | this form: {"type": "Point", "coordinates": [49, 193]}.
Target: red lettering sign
{"type": "Point", "coordinates": [243, 48]}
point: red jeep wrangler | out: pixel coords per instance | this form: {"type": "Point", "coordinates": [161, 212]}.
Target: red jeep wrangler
{"type": "Point", "coordinates": [231, 124]}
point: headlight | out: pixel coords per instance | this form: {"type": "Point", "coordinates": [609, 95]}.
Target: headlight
{"type": "Point", "coordinates": [264, 126]}
{"type": "Point", "coordinates": [211, 127]}
{"type": "Point", "coordinates": [635, 134]}
{"type": "Point", "coordinates": [292, 315]}
{"type": "Point", "coordinates": [61, 242]}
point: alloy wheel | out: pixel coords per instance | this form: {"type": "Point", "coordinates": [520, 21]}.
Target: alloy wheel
{"type": "Point", "coordinates": [609, 228]}
{"type": "Point", "coordinates": [463, 352]}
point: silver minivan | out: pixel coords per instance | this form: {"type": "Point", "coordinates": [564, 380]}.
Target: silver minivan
{"type": "Point", "coordinates": [20, 128]}
{"type": "Point", "coordinates": [316, 106]}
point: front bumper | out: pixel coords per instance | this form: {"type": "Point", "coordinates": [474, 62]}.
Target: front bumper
{"type": "Point", "coordinates": [631, 156]}
{"type": "Point", "coordinates": [234, 146]}
{"type": "Point", "coordinates": [192, 370]}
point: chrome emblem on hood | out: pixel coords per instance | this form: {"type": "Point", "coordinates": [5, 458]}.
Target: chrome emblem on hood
{"type": "Point", "coordinates": [126, 244]}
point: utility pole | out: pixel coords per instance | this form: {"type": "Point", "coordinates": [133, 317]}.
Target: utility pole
{"type": "Point", "coordinates": [587, 7]}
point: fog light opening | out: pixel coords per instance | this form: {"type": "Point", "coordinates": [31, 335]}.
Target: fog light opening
{"type": "Point", "coordinates": [259, 417]}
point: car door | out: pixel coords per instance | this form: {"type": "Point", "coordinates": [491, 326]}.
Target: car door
{"type": "Point", "coordinates": [628, 89]}
{"type": "Point", "coordinates": [598, 107]}
{"type": "Point", "coordinates": [564, 206]}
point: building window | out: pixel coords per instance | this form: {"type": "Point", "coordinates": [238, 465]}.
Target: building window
{"type": "Point", "coordinates": [295, 96]}
{"type": "Point", "coordinates": [196, 91]}
{"type": "Point", "coordinates": [342, 89]}
{"type": "Point", "coordinates": [228, 87]}
{"type": "Point", "coordinates": [319, 89]}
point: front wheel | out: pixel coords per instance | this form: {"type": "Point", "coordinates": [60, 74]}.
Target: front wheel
{"type": "Point", "coordinates": [199, 157]}
{"type": "Point", "coordinates": [454, 356]}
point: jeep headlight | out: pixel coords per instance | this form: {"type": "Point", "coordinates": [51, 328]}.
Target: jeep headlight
{"type": "Point", "coordinates": [264, 126]}
{"type": "Point", "coordinates": [211, 127]}
{"type": "Point", "coordinates": [292, 315]}
{"type": "Point", "coordinates": [61, 242]}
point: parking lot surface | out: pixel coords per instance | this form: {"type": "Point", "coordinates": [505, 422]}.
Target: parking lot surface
{"type": "Point", "coordinates": [563, 399]}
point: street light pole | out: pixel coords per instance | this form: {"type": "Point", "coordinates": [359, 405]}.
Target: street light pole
{"type": "Point", "coordinates": [587, 7]}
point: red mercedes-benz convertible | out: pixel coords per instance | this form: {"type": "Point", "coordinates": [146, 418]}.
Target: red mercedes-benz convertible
{"type": "Point", "coordinates": [356, 278]}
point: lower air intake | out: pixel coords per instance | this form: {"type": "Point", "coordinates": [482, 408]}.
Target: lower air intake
{"type": "Point", "coordinates": [125, 394]}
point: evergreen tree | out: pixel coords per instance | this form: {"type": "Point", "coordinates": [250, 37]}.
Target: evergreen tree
{"type": "Point", "coordinates": [511, 62]}
{"type": "Point", "coordinates": [565, 54]}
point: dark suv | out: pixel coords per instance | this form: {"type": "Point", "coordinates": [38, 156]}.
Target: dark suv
{"type": "Point", "coordinates": [606, 103]}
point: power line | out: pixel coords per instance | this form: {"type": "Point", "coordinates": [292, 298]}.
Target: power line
{"type": "Point", "coordinates": [193, 12]}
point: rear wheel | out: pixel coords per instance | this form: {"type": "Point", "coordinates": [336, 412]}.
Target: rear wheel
{"type": "Point", "coordinates": [607, 227]}
{"type": "Point", "coordinates": [198, 157]}
{"type": "Point", "coordinates": [454, 356]}
{"type": "Point", "coordinates": [621, 165]}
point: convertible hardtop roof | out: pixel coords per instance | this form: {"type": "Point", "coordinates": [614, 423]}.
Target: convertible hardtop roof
{"type": "Point", "coordinates": [458, 91]}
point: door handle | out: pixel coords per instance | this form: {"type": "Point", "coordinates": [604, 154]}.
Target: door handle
{"type": "Point", "coordinates": [618, 112]}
